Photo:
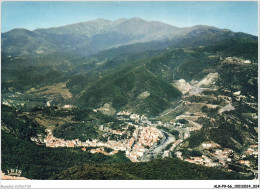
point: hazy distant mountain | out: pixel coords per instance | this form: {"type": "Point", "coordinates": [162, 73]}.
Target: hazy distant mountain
{"type": "Point", "coordinates": [134, 26]}
{"type": "Point", "coordinates": [94, 36]}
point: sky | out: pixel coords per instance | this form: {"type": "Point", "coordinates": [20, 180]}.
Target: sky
{"type": "Point", "coordinates": [238, 16]}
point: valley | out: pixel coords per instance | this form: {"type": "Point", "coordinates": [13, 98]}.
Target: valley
{"type": "Point", "coordinates": [185, 98]}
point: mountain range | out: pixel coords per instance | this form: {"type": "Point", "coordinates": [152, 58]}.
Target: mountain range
{"type": "Point", "coordinates": [198, 85]}
{"type": "Point", "coordinates": [90, 37]}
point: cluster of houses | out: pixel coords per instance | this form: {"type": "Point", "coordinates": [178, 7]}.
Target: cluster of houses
{"type": "Point", "coordinates": [203, 160]}
{"type": "Point", "coordinates": [209, 145]}
{"type": "Point", "coordinates": [244, 162]}
{"type": "Point", "coordinates": [142, 137]}
{"type": "Point", "coordinates": [134, 147]}
{"type": "Point", "coordinates": [171, 123]}
{"type": "Point", "coordinates": [149, 135]}
{"type": "Point", "coordinates": [116, 132]}
{"type": "Point", "coordinates": [123, 113]}
{"type": "Point", "coordinates": [239, 96]}
{"type": "Point", "coordinates": [102, 151]}
{"type": "Point", "coordinates": [221, 155]}
{"type": "Point", "coordinates": [252, 150]}
{"type": "Point", "coordinates": [135, 152]}
{"type": "Point", "coordinates": [134, 117]}
{"type": "Point", "coordinates": [52, 141]}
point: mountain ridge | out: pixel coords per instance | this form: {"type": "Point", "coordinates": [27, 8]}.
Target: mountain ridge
{"type": "Point", "coordinates": [93, 36]}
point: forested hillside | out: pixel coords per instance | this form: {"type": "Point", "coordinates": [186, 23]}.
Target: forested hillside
{"type": "Point", "coordinates": [130, 99]}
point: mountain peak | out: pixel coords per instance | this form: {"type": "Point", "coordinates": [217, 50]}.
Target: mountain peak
{"type": "Point", "coordinates": [20, 32]}
{"type": "Point", "coordinates": [204, 27]}
{"type": "Point", "coordinates": [99, 20]}
{"type": "Point", "coordinates": [137, 18]}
